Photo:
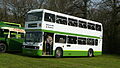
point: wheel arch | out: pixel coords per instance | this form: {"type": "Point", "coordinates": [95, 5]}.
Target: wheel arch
{"type": "Point", "coordinates": [4, 43]}
{"type": "Point", "coordinates": [91, 49]}
{"type": "Point", "coordinates": [59, 48]}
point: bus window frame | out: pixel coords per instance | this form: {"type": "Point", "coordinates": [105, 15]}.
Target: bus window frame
{"type": "Point", "coordinates": [5, 33]}
{"type": "Point", "coordinates": [82, 24]}
{"type": "Point", "coordinates": [82, 40]}
{"type": "Point", "coordinates": [98, 27]}
{"type": "Point", "coordinates": [72, 22]}
{"type": "Point", "coordinates": [61, 20]}
{"type": "Point", "coordinates": [71, 38]}
{"type": "Point", "coordinates": [21, 37]}
{"type": "Point", "coordinates": [60, 36]}
{"type": "Point", "coordinates": [15, 36]}
{"type": "Point", "coordinates": [91, 26]}
{"type": "Point", "coordinates": [38, 19]}
{"type": "Point", "coordinates": [50, 16]}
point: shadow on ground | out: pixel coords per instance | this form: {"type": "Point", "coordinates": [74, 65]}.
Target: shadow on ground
{"type": "Point", "coordinates": [20, 54]}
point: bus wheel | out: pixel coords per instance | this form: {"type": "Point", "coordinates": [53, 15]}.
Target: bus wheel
{"type": "Point", "coordinates": [2, 47]}
{"type": "Point", "coordinates": [90, 53]}
{"type": "Point", "coordinates": [58, 53]}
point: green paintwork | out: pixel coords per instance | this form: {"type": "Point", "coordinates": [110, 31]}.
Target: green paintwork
{"type": "Point", "coordinates": [51, 31]}
{"type": "Point", "coordinates": [75, 53]}
{"type": "Point", "coordinates": [4, 24]}
{"type": "Point", "coordinates": [65, 52]}
{"type": "Point", "coordinates": [3, 39]}
{"type": "Point", "coordinates": [79, 53]}
{"type": "Point", "coordinates": [32, 52]}
{"type": "Point", "coordinates": [97, 53]}
{"type": "Point", "coordinates": [15, 44]}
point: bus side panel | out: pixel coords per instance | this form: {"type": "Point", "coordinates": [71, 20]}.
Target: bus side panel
{"type": "Point", "coordinates": [77, 50]}
{"type": "Point", "coordinates": [73, 50]}
{"type": "Point", "coordinates": [75, 53]}
{"type": "Point", "coordinates": [79, 53]}
{"type": "Point", "coordinates": [2, 39]}
{"type": "Point", "coordinates": [15, 44]}
{"type": "Point", "coordinates": [97, 53]}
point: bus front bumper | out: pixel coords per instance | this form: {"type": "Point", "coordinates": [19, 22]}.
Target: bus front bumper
{"type": "Point", "coordinates": [32, 52]}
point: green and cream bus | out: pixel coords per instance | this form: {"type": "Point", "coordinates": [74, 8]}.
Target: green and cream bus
{"type": "Point", "coordinates": [69, 35]}
{"type": "Point", "coordinates": [11, 37]}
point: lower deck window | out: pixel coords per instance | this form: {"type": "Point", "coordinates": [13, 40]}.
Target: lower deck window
{"type": "Point", "coordinates": [60, 38]}
{"type": "Point", "coordinates": [90, 41]}
{"type": "Point", "coordinates": [21, 35]}
{"type": "Point", "coordinates": [75, 40]}
{"type": "Point", "coordinates": [72, 40]}
{"type": "Point", "coordinates": [4, 33]}
{"type": "Point", "coordinates": [96, 42]}
{"type": "Point", "coordinates": [82, 41]}
{"type": "Point", "coordinates": [13, 34]}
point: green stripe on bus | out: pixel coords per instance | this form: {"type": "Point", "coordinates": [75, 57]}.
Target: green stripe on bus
{"type": "Point", "coordinates": [65, 52]}
{"type": "Point", "coordinates": [51, 31]}
{"type": "Point", "coordinates": [81, 50]}
{"type": "Point", "coordinates": [79, 53]}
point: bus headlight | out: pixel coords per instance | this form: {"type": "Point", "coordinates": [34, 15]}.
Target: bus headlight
{"type": "Point", "coordinates": [36, 47]}
{"type": "Point", "coordinates": [23, 46]}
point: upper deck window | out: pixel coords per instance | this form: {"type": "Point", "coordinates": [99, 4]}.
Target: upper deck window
{"type": "Point", "coordinates": [72, 22]}
{"type": "Point", "coordinates": [82, 24]}
{"type": "Point", "coordinates": [61, 20]}
{"type": "Point", "coordinates": [36, 16]}
{"type": "Point", "coordinates": [98, 27]}
{"type": "Point", "coordinates": [49, 17]}
{"type": "Point", "coordinates": [91, 26]}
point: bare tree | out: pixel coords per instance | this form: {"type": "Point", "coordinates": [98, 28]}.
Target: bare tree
{"type": "Point", "coordinates": [77, 8]}
{"type": "Point", "coordinates": [18, 8]}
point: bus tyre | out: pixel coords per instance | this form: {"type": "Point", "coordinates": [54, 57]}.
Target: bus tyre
{"type": "Point", "coordinates": [58, 53]}
{"type": "Point", "coordinates": [2, 47]}
{"type": "Point", "coordinates": [90, 53]}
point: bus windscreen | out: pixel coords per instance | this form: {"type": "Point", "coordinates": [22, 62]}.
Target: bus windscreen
{"type": "Point", "coordinates": [37, 16]}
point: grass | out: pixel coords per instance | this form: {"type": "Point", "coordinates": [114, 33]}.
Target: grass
{"type": "Point", "coordinates": [18, 61]}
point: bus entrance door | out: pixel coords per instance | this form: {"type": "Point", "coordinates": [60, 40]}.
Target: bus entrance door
{"type": "Point", "coordinates": [48, 43]}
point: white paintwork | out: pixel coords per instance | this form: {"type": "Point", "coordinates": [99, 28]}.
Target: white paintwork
{"type": "Point", "coordinates": [68, 29]}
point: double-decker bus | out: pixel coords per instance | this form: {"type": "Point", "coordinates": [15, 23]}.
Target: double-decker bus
{"type": "Point", "coordinates": [50, 33]}
{"type": "Point", "coordinates": [11, 36]}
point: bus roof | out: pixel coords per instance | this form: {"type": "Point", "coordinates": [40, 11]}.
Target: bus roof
{"type": "Point", "coordinates": [11, 26]}
{"type": "Point", "coordinates": [65, 15]}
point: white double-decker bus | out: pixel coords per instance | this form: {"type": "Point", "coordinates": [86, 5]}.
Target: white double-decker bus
{"type": "Point", "coordinates": [50, 33]}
